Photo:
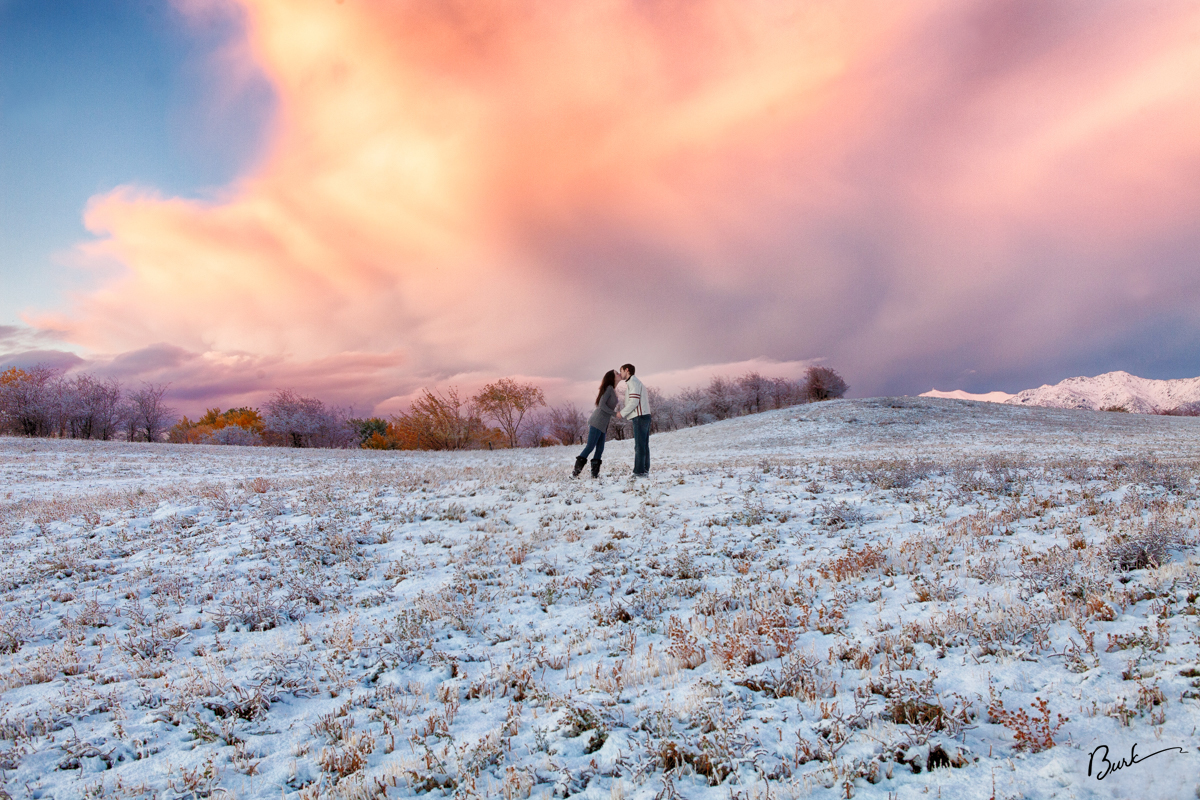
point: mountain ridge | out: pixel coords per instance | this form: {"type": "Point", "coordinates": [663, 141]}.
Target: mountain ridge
{"type": "Point", "coordinates": [1112, 391]}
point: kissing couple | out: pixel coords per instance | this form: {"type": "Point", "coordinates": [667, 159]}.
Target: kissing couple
{"type": "Point", "coordinates": [636, 410]}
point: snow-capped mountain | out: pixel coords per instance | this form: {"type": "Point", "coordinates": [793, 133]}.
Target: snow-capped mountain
{"type": "Point", "coordinates": [959, 394]}
{"type": "Point", "coordinates": [1108, 391]}
{"type": "Point", "coordinates": [1113, 390]}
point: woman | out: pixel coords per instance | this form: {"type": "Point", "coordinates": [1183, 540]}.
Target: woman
{"type": "Point", "coordinates": [606, 405]}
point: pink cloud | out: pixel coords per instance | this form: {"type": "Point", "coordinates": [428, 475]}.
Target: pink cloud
{"type": "Point", "coordinates": [908, 190]}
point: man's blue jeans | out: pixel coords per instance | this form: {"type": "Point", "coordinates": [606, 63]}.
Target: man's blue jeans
{"type": "Point", "coordinates": [595, 440]}
{"type": "Point", "coordinates": [641, 444]}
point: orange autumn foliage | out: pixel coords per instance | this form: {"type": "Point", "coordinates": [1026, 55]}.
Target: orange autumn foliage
{"type": "Point", "coordinates": [13, 376]}
{"type": "Point", "coordinates": [200, 432]}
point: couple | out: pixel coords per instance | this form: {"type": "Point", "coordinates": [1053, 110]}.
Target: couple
{"type": "Point", "coordinates": [636, 410]}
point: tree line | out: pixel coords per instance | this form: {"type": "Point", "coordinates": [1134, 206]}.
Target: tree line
{"type": "Point", "coordinates": [42, 402]}
{"type": "Point", "coordinates": [520, 417]}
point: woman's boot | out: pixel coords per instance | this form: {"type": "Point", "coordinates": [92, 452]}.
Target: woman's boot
{"type": "Point", "coordinates": [596, 467]}
{"type": "Point", "coordinates": [579, 462]}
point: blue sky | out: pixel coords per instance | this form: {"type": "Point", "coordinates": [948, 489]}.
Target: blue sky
{"type": "Point", "coordinates": [100, 93]}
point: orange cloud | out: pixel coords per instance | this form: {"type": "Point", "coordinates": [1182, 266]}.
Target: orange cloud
{"type": "Point", "coordinates": [544, 188]}
{"type": "Point", "coordinates": [418, 142]}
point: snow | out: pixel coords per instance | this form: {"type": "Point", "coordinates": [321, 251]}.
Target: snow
{"type": "Point", "coordinates": [959, 394]}
{"type": "Point", "coordinates": [1113, 390]}
{"type": "Point", "coordinates": [805, 603]}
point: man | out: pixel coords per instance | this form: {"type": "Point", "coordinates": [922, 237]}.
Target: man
{"type": "Point", "coordinates": [637, 411]}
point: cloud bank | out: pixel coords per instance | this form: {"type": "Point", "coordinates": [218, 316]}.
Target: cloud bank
{"type": "Point", "coordinates": [911, 191]}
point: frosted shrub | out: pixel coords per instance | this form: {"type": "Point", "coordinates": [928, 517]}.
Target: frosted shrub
{"type": "Point", "coordinates": [1152, 472]}
{"type": "Point", "coordinates": [16, 628]}
{"type": "Point", "coordinates": [1183, 410]}
{"type": "Point", "coordinates": [568, 424]}
{"type": "Point", "coordinates": [148, 416]}
{"type": "Point", "coordinates": [1056, 568]}
{"type": "Point", "coordinates": [29, 401]}
{"type": "Point", "coordinates": [898, 474]}
{"type": "Point", "coordinates": [685, 565]}
{"type": "Point", "coordinates": [836, 516]}
{"type": "Point", "coordinates": [1145, 548]}
{"type": "Point", "coordinates": [823, 383]}
{"type": "Point", "coordinates": [799, 675]}
{"type": "Point", "coordinates": [234, 435]}
{"type": "Point", "coordinates": [1033, 733]}
{"type": "Point", "coordinates": [258, 611]}
{"type": "Point", "coordinates": [306, 422]}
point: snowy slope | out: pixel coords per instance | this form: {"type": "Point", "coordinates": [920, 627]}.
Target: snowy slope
{"type": "Point", "coordinates": [1113, 390]}
{"type": "Point", "coordinates": [959, 394]}
{"type": "Point", "coordinates": [852, 598]}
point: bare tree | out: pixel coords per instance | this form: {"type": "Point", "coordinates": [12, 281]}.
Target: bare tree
{"type": "Point", "coordinates": [722, 399]}
{"type": "Point", "coordinates": [536, 430]}
{"type": "Point", "coordinates": [129, 420]}
{"type": "Point", "coordinates": [104, 409]}
{"type": "Point", "coordinates": [294, 418]}
{"type": "Point", "coordinates": [567, 424]}
{"type": "Point", "coordinates": [306, 422]}
{"type": "Point", "coordinates": [824, 383]}
{"type": "Point", "coordinates": [90, 407]}
{"type": "Point", "coordinates": [666, 411]}
{"type": "Point", "coordinates": [150, 415]}
{"type": "Point", "coordinates": [507, 402]}
{"type": "Point", "coordinates": [70, 413]}
{"type": "Point", "coordinates": [29, 400]}
{"type": "Point", "coordinates": [785, 392]}
{"type": "Point", "coordinates": [754, 393]}
{"type": "Point", "coordinates": [437, 422]}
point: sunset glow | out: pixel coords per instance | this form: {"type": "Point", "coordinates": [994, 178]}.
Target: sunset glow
{"type": "Point", "coordinates": [916, 193]}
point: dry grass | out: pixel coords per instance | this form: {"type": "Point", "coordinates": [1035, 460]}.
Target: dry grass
{"type": "Point", "coordinates": [483, 625]}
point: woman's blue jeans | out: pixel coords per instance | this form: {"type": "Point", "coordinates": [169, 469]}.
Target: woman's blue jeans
{"type": "Point", "coordinates": [595, 441]}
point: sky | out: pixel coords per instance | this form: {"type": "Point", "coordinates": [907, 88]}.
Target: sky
{"type": "Point", "coordinates": [359, 198]}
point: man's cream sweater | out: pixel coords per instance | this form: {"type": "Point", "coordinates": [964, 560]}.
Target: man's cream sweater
{"type": "Point", "coordinates": [637, 400]}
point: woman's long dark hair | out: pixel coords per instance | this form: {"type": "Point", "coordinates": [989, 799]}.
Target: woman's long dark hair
{"type": "Point", "coordinates": [609, 379]}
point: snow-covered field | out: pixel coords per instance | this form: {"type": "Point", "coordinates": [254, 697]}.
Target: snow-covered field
{"type": "Point", "coordinates": [885, 598]}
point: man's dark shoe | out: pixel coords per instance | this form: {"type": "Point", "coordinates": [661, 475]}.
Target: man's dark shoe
{"type": "Point", "coordinates": [579, 462]}
{"type": "Point", "coordinates": [596, 467]}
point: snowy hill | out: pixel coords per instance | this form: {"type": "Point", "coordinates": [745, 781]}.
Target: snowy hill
{"type": "Point", "coordinates": [859, 598]}
{"type": "Point", "coordinates": [1113, 390]}
{"type": "Point", "coordinates": [959, 394]}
